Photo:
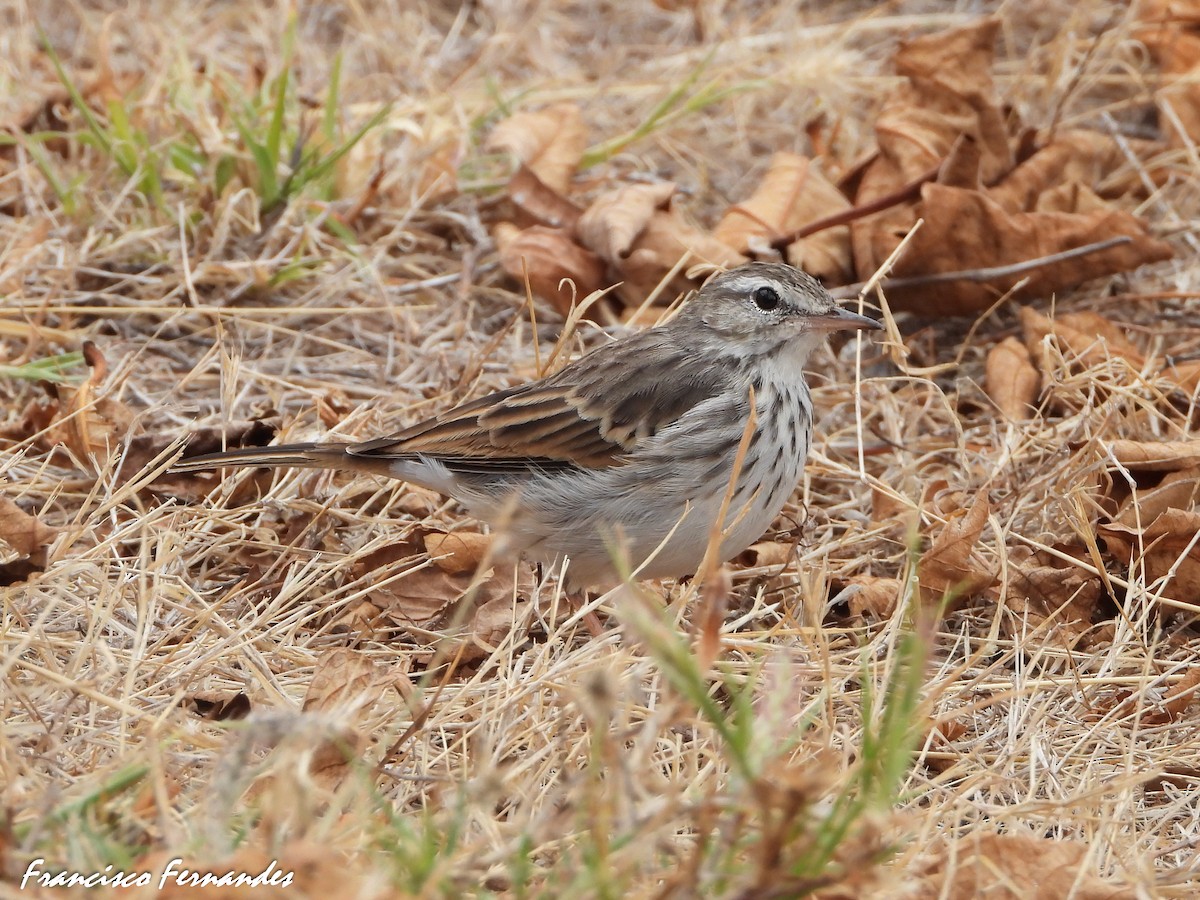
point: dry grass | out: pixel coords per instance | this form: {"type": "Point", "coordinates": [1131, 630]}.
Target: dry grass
{"type": "Point", "coordinates": [557, 763]}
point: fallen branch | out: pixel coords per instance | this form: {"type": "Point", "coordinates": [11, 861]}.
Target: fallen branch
{"type": "Point", "coordinates": [987, 274]}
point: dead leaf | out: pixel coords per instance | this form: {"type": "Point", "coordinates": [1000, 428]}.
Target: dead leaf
{"type": "Point", "coordinates": [1015, 866]}
{"type": "Point", "coordinates": [766, 554]}
{"type": "Point", "coordinates": [428, 599]}
{"type": "Point", "coordinates": [966, 229]}
{"type": "Point", "coordinates": [1074, 159]}
{"type": "Point", "coordinates": [541, 204]}
{"type": "Point", "coordinates": [948, 94]}
{"type": "Point", "coordinates": [90, 422]}
{"type": "Point", "coordinates": [1180, 778]}
{"type": "Point", "coordinates": [344, 679]}
{"type": "Point", "coordinates": [951, 567]}
{"type": "Point", "coordinates": [1011, 380]}
{"type": "Point", "coordinates": [1182, 695]}
{"type": "Point", "coordinates": [458, 552]}
{"type": "Point", "coordinates": [617, 218]}
{"type": "Point", "coordinates": [667, 238]}
{"type": "Point", "coordinates": [792, 194]}
{"type": "Point", "coordinates": [417, 599]}
{"type": "Point", "coordinates": [1171, 33]}
{"type": "Point", "coordinates": [886, 505]}
{"type": "Point", "coordinates": [24, 535]}
{"type": "Point", "coordinates": [1179, 490]}
{"type": "Point", "coordinates": [1156, 456]}
{"type": "Point", "coordinates": [1064, 601]}
{"type": "Point", "coordinates": [492, 621]}
{"type": "Point", "coordinates": [639, 231]}
{"type": "Point", "coordinates": [876, 597]}
{"type": "Point", "coordinates": [1185, 374]}
{"type": "Point", "coordinates": [1166, 547]}
{"type": "Point", "coordinates": [1084, 338]}
{"type": "Point", "coordinates": [218, 706]}
{"type": "Point", "coordinates": [24, 542]}
{"type": "Point", "coordinates": [981, 212]}
{"type": "Point", "coordinates": [1092, 325]}
{"type": "Point", "coordinates": [549, 141]}
{"type": "Point", "coordinates": [559, 270]}
{"type": "Point", "coordinates": [346, 683]}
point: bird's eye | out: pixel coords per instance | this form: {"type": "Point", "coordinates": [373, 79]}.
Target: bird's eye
{"type": "Point", "coordinates": [766, 298]}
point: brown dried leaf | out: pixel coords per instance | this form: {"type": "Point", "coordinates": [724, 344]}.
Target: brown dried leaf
{"type": "Point", "coordinates": [549, 257]}
{"type": "Point", "coordinates": [1175, 704]}
{"type": "Point", "coordinates": [966, 229]}
{"type": "Point", "coordinates": [638, 231]}
{"type": "Point", "coordinates": [492, 621]}
{"type": "Point", "coordinates": [950, 567]}
{"type": "Point", "coordinates": [668, 236]}
{"type": "Point", "coordinates": [549, 141]}
{"type": "Point", "coordinates": [792, 194]}
{"type": "Point", "coordinates": [1066, 599]}
{"type": "Point", "coordinates": [1171, 32]}
{"type": "Point", "coordinates": [767, 553]}
{"type": "Point", "coordinates": [1186, 375]}
{"type": "Point", "coordinates": [22, 536]}
{"type": "Point", "coordinates": [541, 204]}
{"type": "Point", "coordinates": [218, 706]}
{"type": "Point", "coordinates": [1091, 325]}
{"type": "Point", "coordinates": [344, 679]}
{"type": "Point", "coordinates": [948, 100]}
{"type": "Point", "coordinates": [1156, 456]}
{"type": "Point", "coordinates": [90, 423]}
{"type": "Point", "coordinates": [886, 505]}
{"type": "Point", "coordinates": [1166, 547]}
{"type": "Point", "coordinates": [949, 92]}
{"type": "Point", "coordinates": [617, 218]}
{"type": "Point", "coordinates": [947, 117]}
{"type": "Point", "coordinates": [458, 552]}
{"type": "Point", "coordinates": [1011, 380]}
{"type": "Point", "coordinates": [876, 598]}
{"type": "Point", "coordinates": [418, 599]}
{"type": "Point", "coordinates": [428, 598]}
{"type": "Point", "coordinates": [1074, 161]}
{"type": "Point", "coordinates": [1015, 865]}
{"type": "Point", "coordinates": [1179, 489]}
{"type": "Point", "coordinates": [500, 602]}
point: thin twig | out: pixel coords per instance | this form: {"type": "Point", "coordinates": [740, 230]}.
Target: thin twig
{"type": "Point", "coordinates": [991, 273]}
{"type": "Point", "coordinates": [902, 194]}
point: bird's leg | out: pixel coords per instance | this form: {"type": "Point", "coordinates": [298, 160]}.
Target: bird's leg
{"type": "Point", "coordinates": [576, 599]}
{"type": "Point", "coordinates": [579, 599]}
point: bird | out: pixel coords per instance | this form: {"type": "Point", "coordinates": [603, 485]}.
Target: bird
{"type": "Point", "coordinates": [633, 456]}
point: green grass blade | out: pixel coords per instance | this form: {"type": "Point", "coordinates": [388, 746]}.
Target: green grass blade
{"type": "Point", "coordinates": [50, 368]}
{"type": "Point", "coordinates": [322, 168]}
{"type": "Point", "coordinates": [329, 117]}
{"type": "Point", "coordinates": [77, 100]}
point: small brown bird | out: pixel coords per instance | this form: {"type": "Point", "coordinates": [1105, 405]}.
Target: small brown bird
{"type": "Point", "coordinates": [631, 448]}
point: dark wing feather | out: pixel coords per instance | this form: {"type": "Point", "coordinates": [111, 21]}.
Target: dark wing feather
{"type": "Point", "coordinates": [592, 414]}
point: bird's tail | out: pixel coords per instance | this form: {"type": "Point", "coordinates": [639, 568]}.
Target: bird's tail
{"type": "Point", "coordinates": [305, 456]}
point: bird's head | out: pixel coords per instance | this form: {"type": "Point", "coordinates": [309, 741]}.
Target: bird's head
{"type": "Point", "coordinates": [764, 308]}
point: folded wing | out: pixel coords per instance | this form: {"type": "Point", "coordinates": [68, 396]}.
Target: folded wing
{"type": "Point", "coordinates": [592, 414]}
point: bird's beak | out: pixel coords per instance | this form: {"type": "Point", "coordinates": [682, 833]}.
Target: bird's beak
{"type": "Point", "coordinates": [842, 320]}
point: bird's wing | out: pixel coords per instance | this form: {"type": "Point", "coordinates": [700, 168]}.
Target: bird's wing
{"type": "Point", "coordinates": [592, 414]}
